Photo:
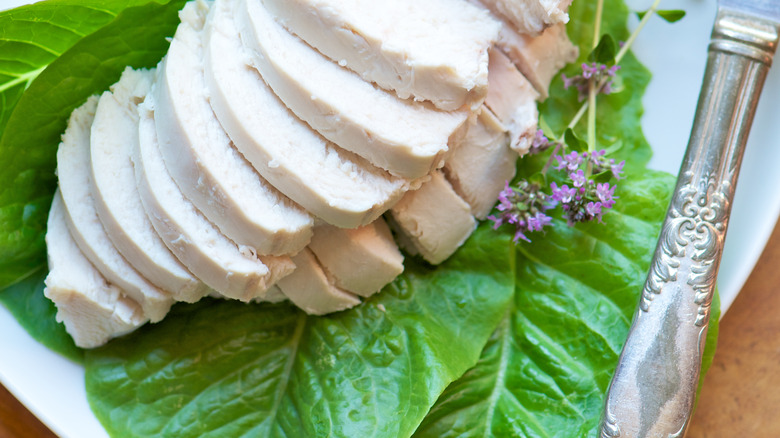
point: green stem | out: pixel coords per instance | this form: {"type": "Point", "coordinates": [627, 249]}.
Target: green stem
{"type": "Point", "coordinates": [623, 51]}
{"type": "Point", "coordinates": [592, 88]}
{"type": "Point", "coordinates": [632, 37]}
{"type": "Point", "coordinates": [578, 116]}
{"type": "Point", "coordinates": [597, 23]}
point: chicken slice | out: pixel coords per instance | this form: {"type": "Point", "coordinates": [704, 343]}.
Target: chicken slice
{"type": "Point", "coordinates": [361, 261]}
{"type": "Point", "coordinates": [208, 169]}
{"type": "Point", "coordinates": [335, 185]}
{"type": "Point", "coordinates": [92, 310]}
{"type": "Point", "coordinates": [512, 99]}
{"type": "Point", "coordinates": [531, 17]}
{"type": "Point", "coordinates": [538, 58]}
{"type": "Point", "coordinates": [434, 220]}
{"type": "Point", "coordinates": [73, 170]}
{"type": "Point", "coordinates": [309, 288]}
{"type": "Point", "coordinates": [434, 50]}
{"type": "Point", "coordinates": [233, 271]}
{"type": "Point", "coordinates": [274, 295]}
{"type": "Point", "coordinates": [404, 137]}
{"type": "Point", "coordinates": [481, 164]}
{"type": "Point", "coordinates": [113, 135]}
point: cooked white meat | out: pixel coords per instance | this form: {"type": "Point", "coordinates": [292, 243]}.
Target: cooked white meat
{"type": "Point", "coordinates": [113, 135]}
{"type": "Point", "coordinates": [531, 16]}
{"type": "Point", "coordinates": [309, 288]}
{"type": "Point", "coordinates": [480, 165]}
{"type": "Point", "coordinates": [92, 310]}
{"type": "Point", "coordinates": [361, 261]}
{"type": "Point", "coordinates": [434, 50]}
{"type": "Point", "coordinates": [337, 186]}
{"type": "Point", "coordinates": [274, 295]}
{"type": "Point", "coordinates": [404, 137]}
{"type": "Point", "coordinates": [73, 170]}
{"type": "Point", "coordinates": [538, 58]}
{"type": "Point", "coordinates": [210, 172]}
{"type": "Point", "coordinates": [513, 100]}
{"type": "Point", "coordinates": [233, 271]}
{"type": "Point", "coordinates": [433, 219]}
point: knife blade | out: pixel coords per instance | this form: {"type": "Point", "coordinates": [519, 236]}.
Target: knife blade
{"type": "Point", "coordinates": [653, 390]}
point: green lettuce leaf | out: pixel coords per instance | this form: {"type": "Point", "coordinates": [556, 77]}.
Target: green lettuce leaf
{"type": "Point", "coordinates": [49, 68]}
{"type": "Point", "coordinates": [222, 368]}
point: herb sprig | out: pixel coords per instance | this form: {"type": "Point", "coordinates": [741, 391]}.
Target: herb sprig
{"type": "Point", "coordinates": [589, 175]}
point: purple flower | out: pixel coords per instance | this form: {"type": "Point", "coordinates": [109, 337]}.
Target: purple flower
{"type": "Point", "coordinates": [605, 194]}
{"type": "Point", "coordinates": [617, 169]}
{"type": "Point", "coordinates": [540, 143]}
{"type": "Point", "coordinates": [592, 74]}
{"type": "Point", "coordinates": [522, 206]}
{"type": "Point", "coordinates": [604, 191]}
{"type": "Point", "coordinates": [570, 161]}
{"type": "Point", "coordinates": [584, 202]}
{"type": "Point", "coordinates": [562, 194]}
{"type": "Point", "coordinates": [539, 221]}
{"type": "Point", "coordinates": [593, 209]}
{"type": "Point", "coordinates": [578, 178]}
{"type": "Point", "coordinates": [497, 221]}
{"type": "Point", "coordinates": [601, 163]}
{"type": "Point", "coordinates": [519, 235]}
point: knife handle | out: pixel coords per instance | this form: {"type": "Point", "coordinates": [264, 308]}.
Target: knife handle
{"type": "Point", "coordinates": [653, 390]}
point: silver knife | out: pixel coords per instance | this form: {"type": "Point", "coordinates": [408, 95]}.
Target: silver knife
{"type": "Point", "coordinates": [653, 390]}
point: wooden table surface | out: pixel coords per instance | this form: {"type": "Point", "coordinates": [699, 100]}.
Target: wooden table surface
{"type": "Point", "coordinates": [741, 394]}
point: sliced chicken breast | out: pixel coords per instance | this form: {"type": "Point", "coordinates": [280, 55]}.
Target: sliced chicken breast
{"type": "Point", "coordinates": [92, 310]}
{"type": "Point", "coordinates": [434, 50]}
{"type": "Point", "coordinates": [73, 170]}
{"type": "Point", "coordinates": [539, 58]}
{"type": "Point", "coordinates": [361, 261]}
{"type": "Point", "coordinates": [113, 136]}
{"type": "Point", "coordinates": [335, 185]}
{"type": "Point", "coordinates": [309, 288]}
{"type": "Point", "coordinates": [210, 172]}
{"type": "Point", "coordinates": [434, 220]}
{"type": "Point", "coordinates": [404, 137]}
{"type": "Point", "coordinates": [513, 100]}
{"type": "Point", "coordinates": [481, 164]}
{"type": "Point", "coordinates": [233, 271]}
{"type": "Point", "coordinates": [531, 16]}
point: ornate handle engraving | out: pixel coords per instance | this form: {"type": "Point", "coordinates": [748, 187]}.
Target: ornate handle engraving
{"type": "Point", "coordinates": [654, 386]}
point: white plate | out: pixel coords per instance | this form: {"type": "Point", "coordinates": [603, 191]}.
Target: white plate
{"type": "Point", "coordinates": [53, 389]}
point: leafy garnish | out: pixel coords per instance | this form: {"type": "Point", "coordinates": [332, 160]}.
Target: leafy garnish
{"type": "Point", "coordinates": [223, 368]}
{"type": "Point", "coordinates": [605, 51]}
{"type": "Point", "coordinates": [669, 15]}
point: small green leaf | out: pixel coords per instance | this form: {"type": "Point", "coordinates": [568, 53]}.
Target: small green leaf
{"type": "Point", "coordinates": [538, 178]}
{"type": "Point", "coordinates": [603, 177]}
{"type": "Point", "coordinates": [669, 15]}
{"type": "Point", "coordinates": [546, 129]}
{"type": "Point", "coordinates": [614, 147]}
{"type": "Point", "coordinates": [605, 51]}
{"type": "Point", "coordinates": [574, 142]}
